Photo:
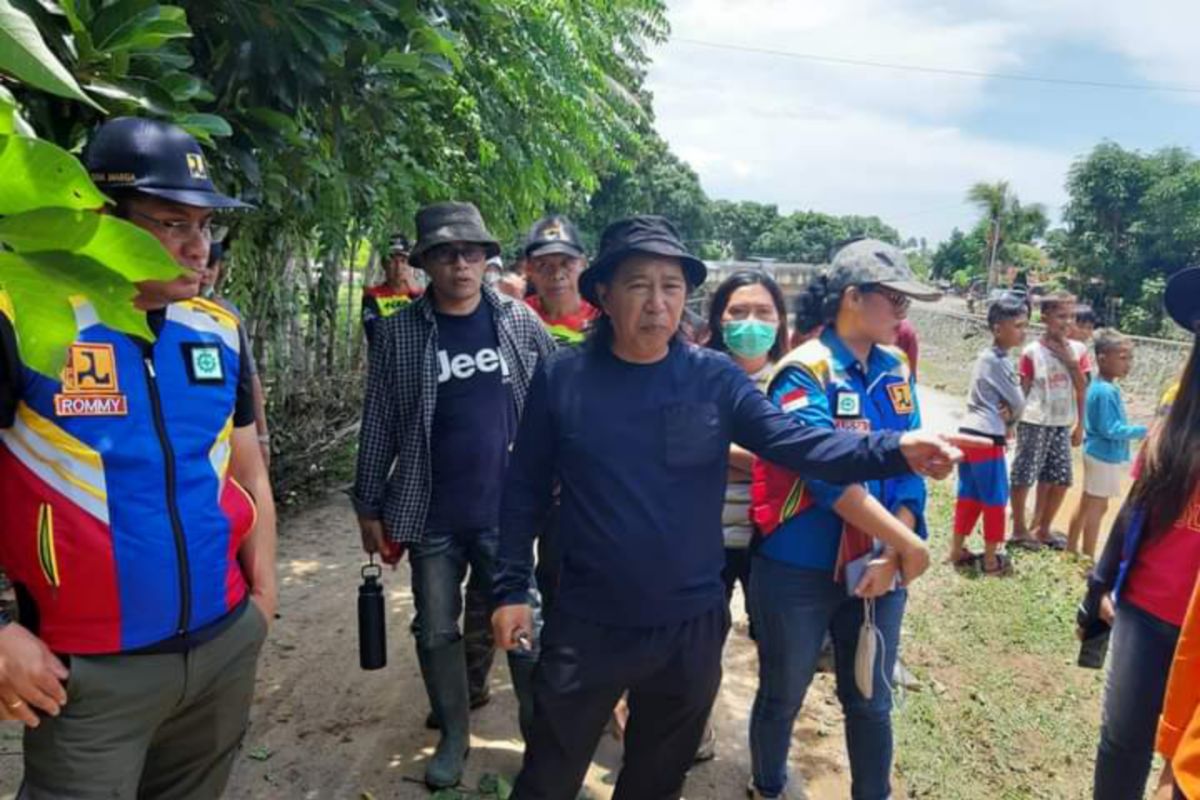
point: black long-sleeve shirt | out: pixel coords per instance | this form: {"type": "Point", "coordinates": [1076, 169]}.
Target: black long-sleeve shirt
{"type": "Point", "coordinates": [641, 451]}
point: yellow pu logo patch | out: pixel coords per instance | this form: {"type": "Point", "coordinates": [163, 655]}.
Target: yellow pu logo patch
{"type": "Point", "coordinates": [89, 383]}
{"type": "Point", "coordinates": [196, 166]}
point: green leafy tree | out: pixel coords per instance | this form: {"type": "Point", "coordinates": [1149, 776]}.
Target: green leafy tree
{"type": "Point", "coordinates": [339, 118]}
{"type": "Point", "coordinates": [658, 183]}
{"type": "Point", "coordinates": [1106, 189]}
{"type": "Point", "coordinates": [992, 199]}
{"type": "Point", "coordinates": [959, 253]}
{"type": "Point", "coordinates": [736, 226]}
{"type": "Point", "coordinates": [1005, 224]}
{"type": "Point", "coordinates": [811, 236]}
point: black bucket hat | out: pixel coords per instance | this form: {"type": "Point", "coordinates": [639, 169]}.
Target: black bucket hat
{"type": "Point", "coordinates": [1182, 299]}
{"type": "Point", "coordinates": [647, 234]}
{"type": "Point", "coordinates": [442, 223]}
{"type": "Point", "coordinates": [154, 158]}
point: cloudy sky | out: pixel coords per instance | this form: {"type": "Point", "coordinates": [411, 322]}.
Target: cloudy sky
{"type": "Point", "coordinates": [905, 145]}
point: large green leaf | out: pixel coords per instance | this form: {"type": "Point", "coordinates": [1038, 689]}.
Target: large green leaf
{"type": "Point", "coordinates": [138, 24]}
{"type": "Point", "coordinates": [180, 85]}
{"type": "Point", "coordinates": [397, 60]}
{"type": "Point", "coordinates": [37, 174]}
{"type": "Point", "coordinates": [25, 55]}
{"type": "Point", "coordinates": [143, 94]}
{"type": "Point", "coordinates": [120, 246]}
{"type": "Point", "coordinates": [204, 125]}
{"type": "Point", "coordinates": [41, 286]}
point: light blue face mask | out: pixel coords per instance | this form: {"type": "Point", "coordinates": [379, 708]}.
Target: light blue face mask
{"type": "Point", "coordinates": [207, 292]}
{"type": "Point", "coordinates": [749, 338]}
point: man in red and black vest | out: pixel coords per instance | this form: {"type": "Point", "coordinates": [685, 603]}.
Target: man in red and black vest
{"type": "Point", "coordinates": [398, 289]}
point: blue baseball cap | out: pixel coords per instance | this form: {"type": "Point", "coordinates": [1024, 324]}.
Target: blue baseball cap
{"type": "Point", "coordinates": [154, 158]}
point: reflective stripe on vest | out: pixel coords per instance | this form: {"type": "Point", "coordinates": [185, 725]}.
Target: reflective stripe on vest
{"type": "Point", "coordinates": [122, 537]}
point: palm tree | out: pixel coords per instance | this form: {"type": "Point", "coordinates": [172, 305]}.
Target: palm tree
{"type": "Point", "coordinates": [993, 200]}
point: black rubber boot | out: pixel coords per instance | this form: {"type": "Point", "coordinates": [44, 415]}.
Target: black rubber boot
{"type": "Point", "coordinates": [445, 674]}
{"type": "Point", "coordinates": [477, 702]}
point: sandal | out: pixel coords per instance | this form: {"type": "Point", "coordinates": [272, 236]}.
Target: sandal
{"type": "Point", "coordinates": [1002, 569]}
{"type": "Point", "coordinates": [1026, 543]}
{"type": "Point", "coordinates": [1056, 542]}
{"type": "Point", "coordinates": [965, 561]}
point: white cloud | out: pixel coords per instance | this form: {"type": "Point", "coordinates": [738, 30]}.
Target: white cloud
{"type": "Point", "coordinates": [845, 139]}
{"type": "Point", "coordinates": [1157, 37]}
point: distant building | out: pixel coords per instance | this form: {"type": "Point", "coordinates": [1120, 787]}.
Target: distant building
{"type": "Point", "coordinates": [787, 275]}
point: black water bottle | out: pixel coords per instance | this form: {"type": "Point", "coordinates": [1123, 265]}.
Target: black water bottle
{"type": "Point", "coordinates": [372, 635]}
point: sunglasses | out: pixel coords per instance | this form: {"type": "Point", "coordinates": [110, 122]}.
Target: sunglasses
{"type": "Point", "coordinates": [899, 302]}
{"type": "Point", "coordinates": [446, 255]}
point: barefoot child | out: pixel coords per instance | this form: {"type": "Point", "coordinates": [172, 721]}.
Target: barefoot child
{"type": "Point", "coordinates": [994, 405]}
{"type": "Point", "coordinates": [1106, 443]}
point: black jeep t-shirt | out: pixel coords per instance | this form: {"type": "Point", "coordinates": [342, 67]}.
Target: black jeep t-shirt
{"type": "Point", "coordinates": [473, 423]}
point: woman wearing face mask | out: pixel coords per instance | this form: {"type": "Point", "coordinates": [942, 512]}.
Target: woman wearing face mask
{"type": "Point", "coordinates": [814, 571]}
{"type": "Point", "coordinates": [748, 320]}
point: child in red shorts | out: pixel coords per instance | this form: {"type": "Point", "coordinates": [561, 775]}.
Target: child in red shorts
{"type": "Point", "coordinates": [994, 403]}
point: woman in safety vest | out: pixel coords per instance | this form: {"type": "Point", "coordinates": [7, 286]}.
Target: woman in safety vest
{"type": "Point", "coordinates": [813, 573]}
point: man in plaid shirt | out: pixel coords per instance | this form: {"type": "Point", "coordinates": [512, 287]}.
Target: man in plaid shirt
{"type": "Point", "coordinates": [446, 385]}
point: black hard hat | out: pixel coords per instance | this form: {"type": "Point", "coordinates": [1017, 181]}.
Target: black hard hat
{"type": "Point", "coordinates": [553, 234]}
{"type": "Point", "coordinates": [154, 158]}
{"type": "Point", "coordinates": [399, 245]}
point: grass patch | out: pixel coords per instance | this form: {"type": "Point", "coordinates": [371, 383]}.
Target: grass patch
{"type": "Point", "coordinates": [1004, 712]}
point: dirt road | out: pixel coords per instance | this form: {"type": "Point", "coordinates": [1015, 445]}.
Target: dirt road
{"type": "Point", "coordinates": [324, 730]}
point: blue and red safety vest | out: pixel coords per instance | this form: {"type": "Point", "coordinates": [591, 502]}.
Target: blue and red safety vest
{"type": "Point", "coordinates": [121, 522]}
{"type": "Point", "coordinates": [823, 385]}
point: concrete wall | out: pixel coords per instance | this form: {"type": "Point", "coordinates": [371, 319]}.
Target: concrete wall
{"type": "Point", "coordinates": [950, 341]}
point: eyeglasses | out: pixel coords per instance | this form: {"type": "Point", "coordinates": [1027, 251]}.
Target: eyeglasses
{"type": "Point", "coordinates": [900, 302]}
{"type": "Point", "coordinates": [447, 255]}
{"type": "Point", "coordinates": [178, 230]}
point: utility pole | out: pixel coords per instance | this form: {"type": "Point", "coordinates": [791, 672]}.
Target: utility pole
{"type": "Point", "coordinates": [992, 279]}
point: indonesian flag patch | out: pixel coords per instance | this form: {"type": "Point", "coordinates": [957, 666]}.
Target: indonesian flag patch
{"type": "Point", "coordinates": [795, 400]}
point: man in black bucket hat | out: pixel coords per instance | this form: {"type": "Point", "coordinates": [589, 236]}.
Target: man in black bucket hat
{"type": "Point", "coordinates": [446, 385]}
{"type": "Point", "coordinates": [636, 425]}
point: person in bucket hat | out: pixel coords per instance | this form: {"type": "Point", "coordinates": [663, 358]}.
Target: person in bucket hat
{"type": "Point", "coordinates": [146, 557]}
{"type": "Point", "coordinates": [446, 385]}
{"type": "Point", "coordinates": [637, 425]}
{"type": "Point", "coordinates": [443, 224]}
{"type": "Point", "coordinates": [398, 288]}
